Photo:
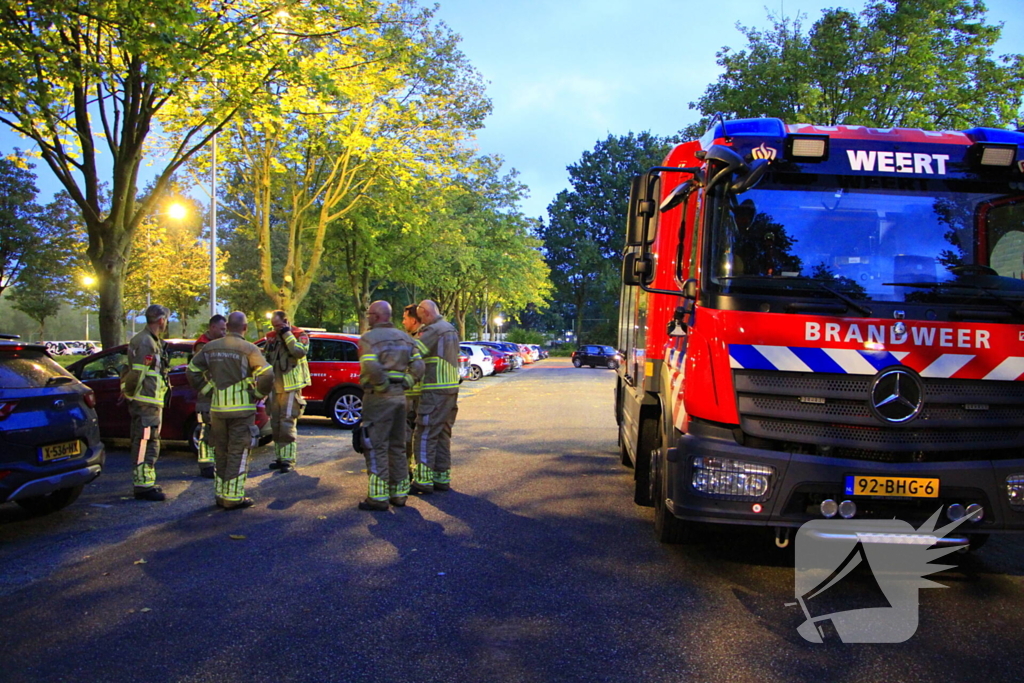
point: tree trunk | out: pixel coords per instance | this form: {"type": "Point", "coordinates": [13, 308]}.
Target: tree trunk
{"type": "Point", "coordinates": [109, 269]}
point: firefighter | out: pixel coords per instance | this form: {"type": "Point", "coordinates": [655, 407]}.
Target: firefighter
{"type": "Point", "coordinates": [144, 386]}
{"type": "Point", "coordinates": [438, 402]}
{"type": "Point", "coordinates": [389, 364]}
{"type": "Point", "coordinates": [286, 351]}
{"type": "Point", "coordinates": [411, 323]}
{"type": "Point", "coordinates": [216, 329]}
{"type": "Point", "coordinates": [240, 376]}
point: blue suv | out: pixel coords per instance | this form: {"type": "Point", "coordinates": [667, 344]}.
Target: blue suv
{"type": "Point", "coordinates": [50, 444]}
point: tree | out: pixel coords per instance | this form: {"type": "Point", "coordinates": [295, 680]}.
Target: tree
{"type": "Point", "coordinates": [127, 64]}
{"type": "Point", "coordinates": [384, 100]}
{"type": "Point", "coordinates": [584, 234]}
{"type": "Point", "coordinates": [54, 263]}
{"type": "Point", "coordinates": [923, 64]}
{"type": "Point", "coordinates": [19, 218]}
{"type": "Point", "coordinates": [170, 261]}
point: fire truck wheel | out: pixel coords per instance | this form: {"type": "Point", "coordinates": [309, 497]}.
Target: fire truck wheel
{"type": "Point", "coordinates": [667, 527]}
{"type": "Point", "coordinates": [642, 471]}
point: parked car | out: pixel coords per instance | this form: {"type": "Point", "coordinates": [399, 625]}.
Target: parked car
{"type": "Point", "coordinates": [538, 350]}
{"type": "Point", "coordinates": [527, 353]}
{"type": "Point", "coordinates": [502, 360]}
{"type": "Point", "coordinates": [594, 355]}
{"type": "Point", "coordinates": [102, 373]}
{"type": "Point", "coordinates": [509, 348]}
{"type": "Point", "coordinates": [481, 363]}
{"type": "Point", "coordinates": [50, 444]}
{"type": "Point", "coordinates": [334, 370]}
{"type": "Point", "coordinates": [464, 367]}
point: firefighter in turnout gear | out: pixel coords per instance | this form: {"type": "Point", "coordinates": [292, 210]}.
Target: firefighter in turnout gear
{"type": "Point", "coordinates": [286, 351]}
{"type": "Point", "coordinates": [144, 385]}
{"type": "Point", "coordinates": [240, 376]}
{"type": "Point", "coordinates": [215, 330]}
{"type": "Point", "coordinates": [389, 364]}
{"type": "Point", "coordinates": [438, 402]}
{"type": "Point", "coordinates": [411, 323]}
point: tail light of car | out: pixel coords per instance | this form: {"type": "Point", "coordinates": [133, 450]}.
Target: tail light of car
{"type": "Point", "coordinates": [6, 408]}
{"type": "Point", "coordinates": [90, 399]}
{"type": "Point", "coordinates": [4, 473]}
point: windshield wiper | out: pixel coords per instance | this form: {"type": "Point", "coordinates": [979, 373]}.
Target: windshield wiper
{"type": "Point", "coordinates": [863, 310]}
{"type": "Point", "coordinates": [1003, 301]}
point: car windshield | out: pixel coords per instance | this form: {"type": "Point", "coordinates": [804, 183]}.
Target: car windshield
{"type": "Point", "coordinates": [607, 350]}
{"type": "Point", "coordinates": [869, 238]}
{"type": "Point", "coordinates": [28, 369]}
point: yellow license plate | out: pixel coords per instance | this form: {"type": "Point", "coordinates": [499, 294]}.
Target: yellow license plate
{"type": "Point", "coordinates": [59, 451]}
{"type": "Point", "coordinates": [900, 487]}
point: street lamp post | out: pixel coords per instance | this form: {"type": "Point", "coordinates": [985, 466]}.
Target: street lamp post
{"type": "Point", "coordinates": [213, 230]}
{"type": "Point", "coordinates": [499, 321]}
{"type": "Point", "coordinates": [88, 281]}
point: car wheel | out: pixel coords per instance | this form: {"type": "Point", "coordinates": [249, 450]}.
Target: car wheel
{"type": "Point", "coordinates": [612, 365]}
{"type": "Point", "coordinates": [577, 362]}
{"type": "Point", "coordinates": [475, 373]}
{"type": "Point", "coordinates": [51, 502]}
{"type": "Point", "coordinates": [345, 407]}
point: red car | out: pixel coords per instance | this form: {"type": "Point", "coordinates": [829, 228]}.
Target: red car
{"type": "Point", "coordinates": [102, 371]}
{"type": "Point", "coordinates": [334, 370]}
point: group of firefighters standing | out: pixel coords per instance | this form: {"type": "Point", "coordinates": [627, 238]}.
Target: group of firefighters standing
{"type": "Point", "coordinates": [410, 381]}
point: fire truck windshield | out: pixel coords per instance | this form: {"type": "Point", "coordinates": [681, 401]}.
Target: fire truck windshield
{"type": "Point", "coordinates": [871, 239]}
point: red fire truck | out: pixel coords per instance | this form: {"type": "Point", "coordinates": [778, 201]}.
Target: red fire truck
{"type": "Point", "coordinates": [826, 321]}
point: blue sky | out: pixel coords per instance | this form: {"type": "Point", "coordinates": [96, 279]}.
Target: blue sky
{"type": "Point", "coordinates": [563, 74]}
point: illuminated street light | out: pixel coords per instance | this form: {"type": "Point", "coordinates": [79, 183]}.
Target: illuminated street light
{"type": "Point", "coordinates": [177, 211]}
{"type": "Point", "coordinates": [499, 321]}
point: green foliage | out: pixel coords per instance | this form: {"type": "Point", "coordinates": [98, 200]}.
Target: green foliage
{"type": "Point", "coordinates": [586, 226]}
{"type": "Point", "coordinates": [518, 335]}
{"type": "Point", "coordinates": [19, 218]}
{"type": "Point", "coordinates": [54, 265]}
{"type": "Point", "coordinates": [923, 64]}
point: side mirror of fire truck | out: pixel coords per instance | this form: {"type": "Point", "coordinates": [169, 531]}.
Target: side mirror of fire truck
{"type": "Point", "coordinates": [679, 325]}
{"type": "Point", "coordinates": [641, 221]}
{"type": "Point", "coordinates": [637, 269]}
{"type": "Point", "coordinates": [751, 178]}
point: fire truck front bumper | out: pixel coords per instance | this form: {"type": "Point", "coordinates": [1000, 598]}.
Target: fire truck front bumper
{"type": "Point", "coordinates": [718, 481]}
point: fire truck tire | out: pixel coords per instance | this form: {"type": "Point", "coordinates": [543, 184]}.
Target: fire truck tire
{"type": "Point", "coordinates": [668, 528]}
{"type": "Point", "coordinates": [647, 443]}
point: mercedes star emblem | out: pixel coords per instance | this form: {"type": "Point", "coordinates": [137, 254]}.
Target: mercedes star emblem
{"type": "Point", "coordinates": [897, 396]}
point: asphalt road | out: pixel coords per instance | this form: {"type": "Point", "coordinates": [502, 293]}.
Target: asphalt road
{"type": "Point", "coordinates": [537, 566]}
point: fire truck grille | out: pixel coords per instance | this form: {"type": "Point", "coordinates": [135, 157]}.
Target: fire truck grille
{"type": "Point", "coordinates": [831, 415]}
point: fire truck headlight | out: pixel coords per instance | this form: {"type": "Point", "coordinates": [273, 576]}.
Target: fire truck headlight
{"type": "Point", "coordinates": [1015, 490]}
{"type": "Point", "coordinates": [727, 477]}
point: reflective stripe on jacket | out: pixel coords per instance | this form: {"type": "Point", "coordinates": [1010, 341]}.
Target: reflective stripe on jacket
{"type": "Point", "coordinates": [145, 381]}
{"type": "Point", "coordinates": [388, 357]}
{"type": "Point", "coordinates": [441, 341]}
{"type": "Point", "coordinates": [287, 355]}
{"type": "Point", "coordinates": [239, 372]}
